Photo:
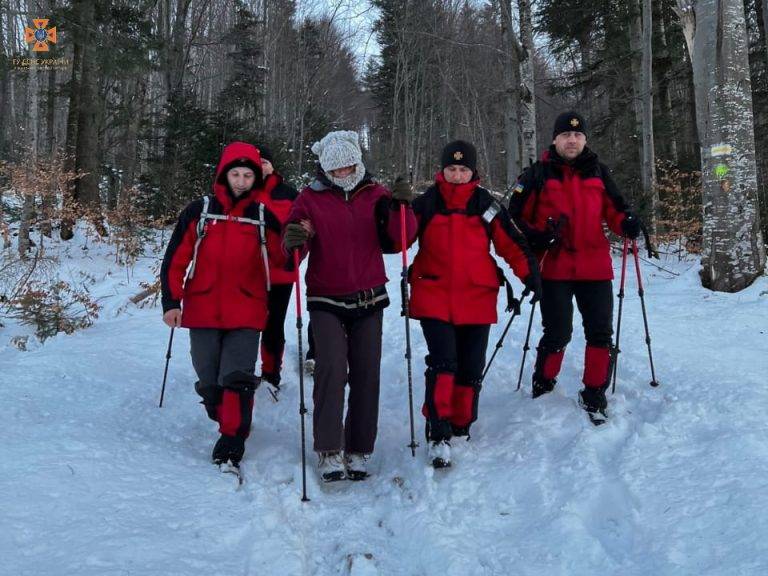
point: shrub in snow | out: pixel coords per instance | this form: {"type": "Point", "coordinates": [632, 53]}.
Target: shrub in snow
{"type": "Point", "coordinates": [53, 308]}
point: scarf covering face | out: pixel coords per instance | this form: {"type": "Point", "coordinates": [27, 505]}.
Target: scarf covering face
{"type": "Point", "coordinates": [348, 183]}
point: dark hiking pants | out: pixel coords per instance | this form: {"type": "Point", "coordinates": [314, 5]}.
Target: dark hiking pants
{"type": "Point", "coordinates": [595, 302]}
{"type": "Point", "coordinates": [454, 373]}
{"type": "Point", "coordinates": [225, 363]}
{"type": "Point", "coordinates": [346, 349]}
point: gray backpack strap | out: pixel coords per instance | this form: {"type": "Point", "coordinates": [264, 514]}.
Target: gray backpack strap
{"type": "Point", "coordinates": [264, 255]}
{"type": "Point", "coordinates": [200, 235]}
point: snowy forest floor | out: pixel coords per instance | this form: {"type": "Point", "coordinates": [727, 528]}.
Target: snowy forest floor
{"type": "Point", "coordinates": [95, 480]}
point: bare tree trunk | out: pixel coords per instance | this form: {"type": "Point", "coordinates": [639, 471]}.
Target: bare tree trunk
{"type": "Point", "coordinates": [88, 154]}
{"type": "Point", "coordinates": [33, 124]}
{"type": "Point", "coordinates": [70, 202]}
{"type": "Point", "coordinates": [665, 95]}
{"type": "Point", "coordinates": [733, 250]}
{"type": "Point", "coordinates": [136, 94]}
{"type": "Point", "coordinates": [528, 87]}
{"type": "Point", "coordinates": [649, 157]}
{"type": "Point", "coordinates": [47, 202]}
{"type": "Point", "coordinates": [511, 94]}
{"type": "Point", "coordinates": [765, 27]}
{"type": "Point", "coordinates": [636, 63]}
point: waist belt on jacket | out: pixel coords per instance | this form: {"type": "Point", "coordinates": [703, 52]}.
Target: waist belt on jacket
{"type": "Point", "coordinates": [355, 301]}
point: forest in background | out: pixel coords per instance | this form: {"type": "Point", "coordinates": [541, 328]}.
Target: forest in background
{"type": "Point", "coordinates": [121, 121]}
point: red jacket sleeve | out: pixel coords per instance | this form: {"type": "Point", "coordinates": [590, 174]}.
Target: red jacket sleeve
{"type": "Point", "coordinates": [614, 206]}
{"type": "Point", "coordinates": [178, 255]}
{"type": "Point", "coordinates": [512, 247]}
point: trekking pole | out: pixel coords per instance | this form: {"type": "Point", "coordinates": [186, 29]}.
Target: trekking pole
{"type": "Point", "coordinates": [515, 309]}
{"type": "Point", "coordinates": [640, 292]}
{"type": "Point", "coordinates": [302, 407]}
{"type": "Point", "coordinates": [165, 373]}
{"type": "Point", "coordinates": [616, 349]}
{"type": "Point", "coordinates": [404, 297]}
{"type": "Point", "coordinates": [526, 346]}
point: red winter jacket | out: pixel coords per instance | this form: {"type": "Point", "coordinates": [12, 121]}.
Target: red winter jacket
{"type": "Point", "coordinates": [582, 191]}
{"type": "Point", "coordinates": [278, 197]}
{"type": "Point", "coordinates": [454, 277]}
{"type": "Point", "coordinates": [229, 287]}
{"type": "Point", "coordinates": [352, 231]}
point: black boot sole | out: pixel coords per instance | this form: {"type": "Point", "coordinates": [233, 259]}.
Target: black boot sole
{"type": "Point", "coordinates": [331, 477]}
{"type": "Point", "coordinates": [439, 463]}
{"type": "Point", "coordinates": [356, 476]}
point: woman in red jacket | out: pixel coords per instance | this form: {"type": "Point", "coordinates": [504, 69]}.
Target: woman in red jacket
{"type": "Point", "coordinates": [229, 241]}
{"type": "Point", "coordinates": [454, 285]}
{"type": "Point", "coordinates": [346, 221]}
{"type": "Point", "coordinates": [278, 197]}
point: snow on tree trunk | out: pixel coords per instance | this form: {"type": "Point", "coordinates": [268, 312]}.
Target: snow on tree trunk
{"type": "Point", "coordinates": [733, 250]}
{"type": "Point", "coordinates": [511, 94]}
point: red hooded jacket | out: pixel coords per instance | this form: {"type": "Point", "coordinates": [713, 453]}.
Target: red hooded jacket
{"type": "Point", "coordinates": [229, 287]}
{"type": "Point", "coordinates": [454, 278]}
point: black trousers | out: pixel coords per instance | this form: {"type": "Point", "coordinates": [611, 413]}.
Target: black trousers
{"type": "Point", "coordinates": [595, 302]}
{"type": "Point", "coordinates": [454, 370]}
{"type": "Point", "coordinates": [273, 337]}
{"type": "Point", "coordinates": [459, 349]}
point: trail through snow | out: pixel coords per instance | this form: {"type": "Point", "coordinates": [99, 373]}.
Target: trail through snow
{"type": "Point", "coordinates": [95, 480]}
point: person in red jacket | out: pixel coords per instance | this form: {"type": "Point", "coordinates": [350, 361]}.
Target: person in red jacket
{"type": "Point", "coordinates": [561, 203]}
{"type": "Point", "coordinates": [228, 241]}
{"type": "Point", "coordinates": [345, 221]}
{"type": "Point", "coordinates": [454, 286]}
{"type": "Point", "coordinates": [278, 197]}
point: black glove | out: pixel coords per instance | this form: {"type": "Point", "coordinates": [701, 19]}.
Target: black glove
{"type": "Point", "coordinates": [550, 237]}
{"type": "Point", "coordinates": [631, 226]}
{"type": "Point", "coordinates": [295, 236]}
{"type": "Point", "coordinates": [533, 285]}
{"type": "Point", "coordinates": [402, 191]}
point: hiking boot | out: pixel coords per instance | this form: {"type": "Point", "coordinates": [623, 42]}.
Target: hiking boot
{"type": "Point", "coordinates": [331, 467]}
{"type": "Point", "coordinates": [439, 454]}
{"type": "Point", "coordinates": [593, 401]}
{"type": "Point", "coordinates": [542, 386]}
{"type": "Point", "coordinates": [356, 465]}
{"type": "Point", "coordinates": [228, 448]}
{"type": "Point", "coordinates": [271, 378]}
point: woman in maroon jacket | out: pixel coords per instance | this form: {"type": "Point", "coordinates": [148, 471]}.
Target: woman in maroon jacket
{"type": "Point", "coordinates": [229, 241]}
{"type": "Point", "coordinates": [454, 285]}
{"type": "Point", "coordinates": [346, 221]}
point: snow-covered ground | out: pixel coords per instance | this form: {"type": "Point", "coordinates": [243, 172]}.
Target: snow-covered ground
{"type": "Point", "coordinates": [95, 480]}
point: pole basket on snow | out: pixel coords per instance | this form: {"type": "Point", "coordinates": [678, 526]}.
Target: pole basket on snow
{"type": "Point", "coordinates": [404, 297]}
{"type": "Point", "coordinates": [165, 373]}
{"type": "Point", "coordinates": [302, 407]}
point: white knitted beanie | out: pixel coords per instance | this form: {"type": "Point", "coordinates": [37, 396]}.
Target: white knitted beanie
{"type": "Point", "coordinates": [338, 150]}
